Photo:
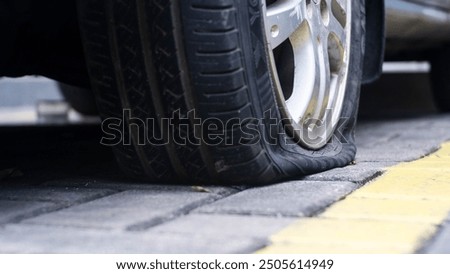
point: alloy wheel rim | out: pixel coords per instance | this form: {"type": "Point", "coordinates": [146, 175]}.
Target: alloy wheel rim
{"type": "Point", "coordinates": [309, 50]}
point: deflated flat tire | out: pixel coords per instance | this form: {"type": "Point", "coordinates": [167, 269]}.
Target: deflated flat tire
{"type": "Point", "coordinates": [226, 91]}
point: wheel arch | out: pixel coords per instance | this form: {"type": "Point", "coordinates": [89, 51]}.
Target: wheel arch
{"type": "Point", "coordinates": [375, 40]}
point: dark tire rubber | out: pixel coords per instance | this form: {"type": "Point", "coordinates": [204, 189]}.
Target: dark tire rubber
{"type": "Point", "coordinates": [440, 73]}
{"type": "Point", "coordinates": [203, 65]}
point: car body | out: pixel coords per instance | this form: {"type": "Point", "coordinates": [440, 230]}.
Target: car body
{"type": "Point", "coordinates": [416, 26]}
{"type": "Point", "coordinates": [419, 30]}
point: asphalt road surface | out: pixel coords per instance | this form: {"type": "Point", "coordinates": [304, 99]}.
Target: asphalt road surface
{"type": "Point", "coordinates": [62, 192]}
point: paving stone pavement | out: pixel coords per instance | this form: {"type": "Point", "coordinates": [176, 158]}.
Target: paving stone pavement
{"type": "Point", "coordinates": [67, 196]}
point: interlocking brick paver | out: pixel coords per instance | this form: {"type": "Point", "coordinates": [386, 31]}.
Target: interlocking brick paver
{"type": "Point", "coordinates": [224, 225]}
{"type": "Point", "coordinates": [440, 244]}
{"type": "Point", "coordinates": [61, 195]}
{"type": "Point", "coordinates": [359, 173]}
{"type": "Point", "coordinates": [12, 211]}
{"type": "Point", "coordinates": [296, 198]}
{"type": "Point", "coordinates": [122, 185]}
{"type": "Point", "coordinates": [396, 152]}
{"type": "Point", "coordinates": [45, 239]}
{"type": "Point", "coordinates": [133, 209]}
{"type": "Point", "coordinates": [402, 139]}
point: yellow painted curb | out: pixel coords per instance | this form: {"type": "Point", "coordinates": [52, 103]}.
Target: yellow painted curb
{"type": "Point", "coordinates": [396, 213]}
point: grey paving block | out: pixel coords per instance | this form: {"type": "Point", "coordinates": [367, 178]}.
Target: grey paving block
{"type": "Point", "coordinates": [396, 152]}
{"type": "Point", "coordinates": [47, 239]}
{"type": "Point", "coordinates": [425, 127]}
{"type": "Point", "coordinates": [133, 209]}
{"type": "Point", "coordinates": [224, 226]}
{"type": "Point", "coordinates": [13, 211]}
{"type": "Point", "coordinates": [296, 198]}
{"type": "Point", "coordinates": [359, 173]}
{"type": "Point", "coordinates": [129, 185]}
{"type": "Point", "coordinates": [401, 140]}
{"type": "Point", "coordinates": [65, 196]}
{"type": "Point", "coordinates": [441, 243]}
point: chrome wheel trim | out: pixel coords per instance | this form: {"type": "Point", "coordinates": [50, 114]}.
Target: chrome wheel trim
{"type": "Point", "coordinates": [319, 33]}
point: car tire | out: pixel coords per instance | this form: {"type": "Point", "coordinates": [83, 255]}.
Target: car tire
{"type": "Point", "coordinates": [224, 80]}
{"type": "Point", "coordinates": [440, 72]}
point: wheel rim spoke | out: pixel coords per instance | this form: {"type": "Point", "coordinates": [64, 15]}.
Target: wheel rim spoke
{"type": "Point", "coordinates": [325, 78]}
{"type": "Point", "coordinates": [337, 20]}
{"type": "Point", "coordinates": [320, 41]}
{"type": "Point", "coordinates": [306, 62]}
{"type": "Point", "coordinates": [282, 19]}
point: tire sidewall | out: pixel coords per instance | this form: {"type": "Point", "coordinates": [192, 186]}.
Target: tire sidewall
{"type": "Point", "coordinates": [288, 156]}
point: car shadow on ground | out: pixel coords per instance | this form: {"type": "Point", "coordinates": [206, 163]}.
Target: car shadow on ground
{"type": "Point", "coordinates": [34, 155]}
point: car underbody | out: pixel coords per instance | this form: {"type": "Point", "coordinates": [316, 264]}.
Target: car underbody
{"type": "Point", "coordinates": [43, 38]}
